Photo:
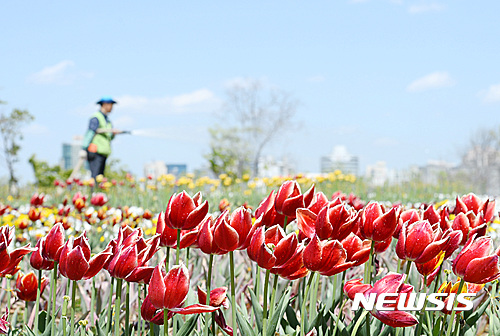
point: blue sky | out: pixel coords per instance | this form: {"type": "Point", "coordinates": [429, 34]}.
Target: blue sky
{"type": "Point", "coordinates": [400, 81]}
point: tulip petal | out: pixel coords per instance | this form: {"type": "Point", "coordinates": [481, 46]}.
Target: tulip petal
{"type": "Point", "coordinates": [157, 288]}
{"type": "Point", "coordinates": [305, 221]}
{"type": "Point", "coordinates": [482, 270]}
{"type": "Point", "coordinates": [176, 286]}
{"type": "Point", "coordinates": [194, 309]}
{"type": "Point", "coordinates": [396, 318]}
{"type": "Point", "coordinates": [76, 265]}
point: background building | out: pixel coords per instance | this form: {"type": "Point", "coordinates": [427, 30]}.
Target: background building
{"type": "Point", "coordinates": [340, 159]}
{"type": "Point", "coordinates": [70, 152]}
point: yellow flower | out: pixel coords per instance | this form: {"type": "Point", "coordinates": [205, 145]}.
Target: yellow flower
{"type": "Point", "coordinates": [10, 198]}
{"type": "Point", "coordinates": [99, 178]}
{"type": "Point", "coordinates": [247, 192]}
{"type": "Point", "coordinates": [246, 177]}
{"type": "Point", "coordinates": [102, 239]}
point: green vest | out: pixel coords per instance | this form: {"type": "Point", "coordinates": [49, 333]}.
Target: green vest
{"type": "Point", "coordinates": [103, 140]}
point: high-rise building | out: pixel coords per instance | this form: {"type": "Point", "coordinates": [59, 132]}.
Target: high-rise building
{"type": "Point", "coordinates": [340, 159]}
{"type": "Point", "coordinates": [70, 152]}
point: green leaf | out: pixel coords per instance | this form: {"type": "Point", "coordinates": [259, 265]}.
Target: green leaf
{"type": "Point", "coordinates": [354, 320]}
{"type": "Point", "coordinates": [278, 313]}
{"type": "Point", "coordinates": [472, 319]}
{"type": "Point", "coordinates": [245, 327]}
{"type": "Point", "coordinates": [257, 309]}
{"type": "Point", "coordinates": [188, 326]}
{"type": "Point", "coordinates": [29, 332]}
{"type": "Point", "coordinates": [291, 317]}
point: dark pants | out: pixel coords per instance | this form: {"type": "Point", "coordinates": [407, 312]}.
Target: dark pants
{"type": "Point", "coordinates": [97, 162]}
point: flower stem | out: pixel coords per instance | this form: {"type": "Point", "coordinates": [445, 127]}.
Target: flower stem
{"type": "Point", "coordinates": [139, 317]}
{"type": "Point", "coordinates": [92, 303]}
{"type": "Point", "coordinates": [64, 317]}
{"type": "Point", "coordinates": [264, 306]}
{"type": "Point", "coordinates": [303, 308]}
{"type": "Point", "coordinates": [37, 304]}
{"type": "Point", "coordinates": [25, 320]}
{"type": "Point", "coordinates": [233, 293]}
{"type": "Point", "coordinates": [453, 312]}
{"type": "Point", "coordinates": [273, 295]}
{"type": "Point", "coordinates": [53, 330]}
{"type": "Point", "coordinates": [368, 280]}
{"type": "Point", "coordinates": [178, 246]}
{"type": "Point", "coordinates": [127, 310]}
{"type": "Point", "coordinates": [209, 282]}
{"type": "Point", "coordinates": [73, 306]}
{"type": "Point", "coordinates": [165, 323]}
{"type": "Point", "coordinates": [110, 322]}
{"type": "Point", "coordinates": [167, 259]}
{"type": "Point", "coordinates": [422, 312]}
{"type": "Point", "coordinates": [8, 277]}
{"type": "Point", "coordinates": [118, 305]}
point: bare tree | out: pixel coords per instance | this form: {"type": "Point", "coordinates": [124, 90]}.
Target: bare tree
{"type": "Point", "coordinates": [10, 132]}
{"type": "Point", "coordinates": [261, 113]}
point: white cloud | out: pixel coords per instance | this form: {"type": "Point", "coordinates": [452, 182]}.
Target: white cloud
{"type": "Point", "coordinates": [202, 100]}
{"type": "Point", "coordinates": [422, 8]}
{"type": "Point", "coordinates": [434, 80]}
{"type": "Point", "coordinates": [60, 73]}
{"type": "Point", "coordinates": [492, 94]}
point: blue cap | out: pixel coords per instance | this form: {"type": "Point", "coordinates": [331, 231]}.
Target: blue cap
{"type": "Point", "coordinates": [106, 99]}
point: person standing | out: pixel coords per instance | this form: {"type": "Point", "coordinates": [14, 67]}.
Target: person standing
{"type": "Point", "coordinates": [97, 140]}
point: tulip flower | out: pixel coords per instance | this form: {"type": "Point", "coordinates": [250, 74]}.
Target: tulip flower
{"type": "Point", "coordinates": [205, 240]}
{"type": "Point", "coordinates": [27, 286]}
{"type": "Point", "coordinates": [169, 291]}
{"type": "Point", "coordinates": [218, 299]}
{"type": "Point", "coordinates": [4, 323]}
{"type": "Point", "coordinates": [376, 224]}
{"type": "Point", "coordinates": [471, 202]}
{"type": "Point", "coordinates": [319, 201]}
{"type": "Point", "coordinates": [450, 288]}
{"type": "Point", "coordinates": [37, 260]}
{"type": "Point", "coordinates": [419, 243]}
{"type": "Point", "coordinates": [98, 199]}
{"type": "Point", "coordinates": [130, 255]}
{"type": "Point", "coordinates": [184, 212]}
{"type": "Point", "coordinates": [391, 283]}
{"type": "Point", "coordinates": [468, 229]}
{"type": "Point", "coordinates": [289, 198]}
{"type": "Point", "coordinates": [37, 199]}
{"type": "Point", "coordinates": [475, 264]}
{"type": "Point", "coordinates": [431, 215]}
{"type": "Point", "coordinates": [34, 214]}
{"type": "Point", "coordinates": [231, 232]}
{"type": "Point", "coordinates": [324, 256]}
{"type": "Point", "coordinates": [9, 262]}
{"type": "Point", "coordinates": [168, 236]}
{"type": "Point", "coordinates": [75, 262]}
{"type": "Point", "coordinates": [53, 243]}
{"type": "Point", "coordinates": [294, 267]}
{"type": "Point", "coordinates": [79, 201]}
{"type": "Point", "coordinates": [267, 213]}
{"type": "Point", "coordinates": [271, 248]}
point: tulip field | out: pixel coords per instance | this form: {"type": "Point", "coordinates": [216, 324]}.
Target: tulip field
{"type": "Point", "coordinates": [203, 258]}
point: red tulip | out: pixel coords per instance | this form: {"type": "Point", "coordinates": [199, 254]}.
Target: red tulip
{"type": "Point", "coordinates": [324, 256]}
{"type": "Point", "coordinates": [75, 261]}
{"type": "Point", "coordinates": [9, 262]}
{"type": "Point", "coordinates": [37, 200]}
{"type": "Point", "coordinates": [392, 283]}
{"type": "Point", "coordinates": [169, 291]}
{"type": "Point", "coordinates": [419, 243]}
{"type": "Point", "coordinates": [271, 248]}
{"type": "Point", "coordinates": [205, 240]}
{"type": "Point", "coordinates": [4, 323]}
{"type": "Point", "coordinates": [377, 225]}
{"type": "Point", "coordinates": [319, 201]}
{"type": "Point", "coordinates": [231, 232]}
{"type": "Point", "coordinates": [471, 202]}
{"type": "Point", "coordinates": [432, 216]}
{"type": "Point", "coordinates": [293, 268]}
{"type": "Point", "coordinates": [450, 288]}
{"type": "Point", "coordinates": [184, 212]}
{"type": "Point", "coordinates": [79, 201]}
{"type": "Point", "coordinates": [463, 224]}
{"type": "Point", "coordinates": [168, 236]}
{"type": "Point", "coordinates": [130, 255]}
{"type": "Point", "coordinates": [27, 286]}
{"type": "Point", "coordinates": [34, 214]}
{"type": "Point", "coordinates": [289, 198]}
{"type": "Point", "coordinates": [99, 199]}
{"type": "Point", "coordinates": [475, 264]}
{"type": "Point", "coordinates": [267, 213]}
{"type": "Point", "coordinates": [53, 243]}
{"type": "Point", "coordinates": [37, 260]}
{"type": "Point", "coordinates": [218, 297]}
